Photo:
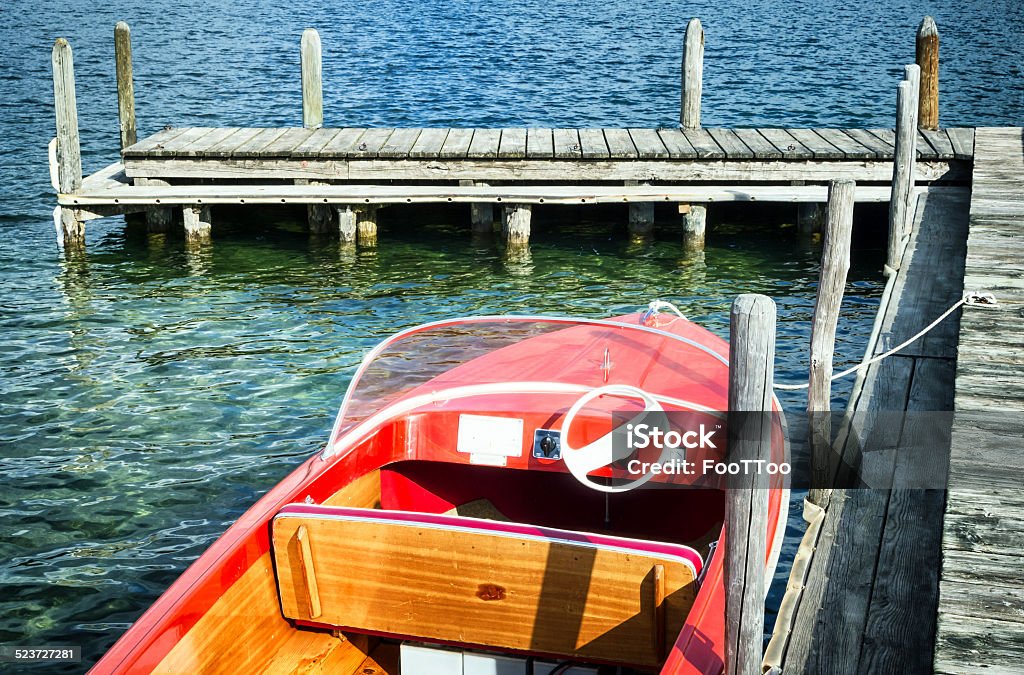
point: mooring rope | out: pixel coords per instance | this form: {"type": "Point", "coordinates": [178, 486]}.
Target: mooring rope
{"type": "Point", "coordinates": [974, 298]}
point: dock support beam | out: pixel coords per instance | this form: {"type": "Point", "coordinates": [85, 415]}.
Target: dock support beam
{"type": "Point", "coordinates": [693, 75]}
{"type": "Point", "coordinates": [927, 57]}
{"type": "Point", "coordinates": [810, 218]}
{"type": "Point", "coordinates": [751, 372]}
{"type": "Point", "coordinates": [318, 216]}
{"type": "Point", "coordinates": [695, 223]}
{"type": "Point", "coordinates": [366, 225]}
{"type": "Point", "coordinates": [900, 212]}
{"type": "Point", "coordinates": [516, 227]}
{"type": "Point", "coordinates": [835, 264]}
{"type": "Point", "coordinates": [68, 151]}
{"type": "Point", "coordinates": [312, 84]}
{"type": "Point", "coordinates": [197, 223]}
{"type": "Point", "coordinates": [125, 84]}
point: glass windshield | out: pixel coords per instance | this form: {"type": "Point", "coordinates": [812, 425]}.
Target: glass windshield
{"type": "Point", "coordinates": [461, 356]}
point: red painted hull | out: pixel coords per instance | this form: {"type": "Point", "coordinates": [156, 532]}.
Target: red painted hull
{"type": "Point", "coordinates": [418, 475]}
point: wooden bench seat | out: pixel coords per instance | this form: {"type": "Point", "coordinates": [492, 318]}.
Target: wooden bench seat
{"type": "Point", "coordinates": [484, 583]}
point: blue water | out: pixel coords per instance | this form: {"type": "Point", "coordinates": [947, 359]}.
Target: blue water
{"type": "Point", "coordinates": [150, 393]}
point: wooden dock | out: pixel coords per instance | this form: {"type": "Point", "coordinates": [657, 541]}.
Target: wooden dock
{"type": "Point", "coordinates": [869, 594]}
{"type": "Point", "coordinates": [981, 597]}
{"type": "Point", "coordinates": [344, 175]}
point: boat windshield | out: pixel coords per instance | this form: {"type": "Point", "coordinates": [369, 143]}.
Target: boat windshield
{"type": "Point", "coordinates": [564, 354]}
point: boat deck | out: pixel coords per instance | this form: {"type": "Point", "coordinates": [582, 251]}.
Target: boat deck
{"type": "Point", "coordinates": [981, 602]}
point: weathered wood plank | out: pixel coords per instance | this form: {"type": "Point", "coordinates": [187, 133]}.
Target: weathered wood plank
{"type": "Point", "coordinates": [567, 144]}
{"type": "Point", "coordinates": [962, 141]}
{"type": "Point", "coordinates": [648, 144]}
{"type": "Point", "coordinates": [760, 146]}
{"type": "Point", "coordinates": [457, 143]}
{"type": "Point", "coordinates": [429, 143]}
{"type": "Point", "coordinates": [200, 147]}
{"type": "Point", "coordinates": [256, 143]}
{"type": "Point", "coordinates": [285, 144]}
{"type": "Point", "coordinates": [620, 146]}
{"type": "Point", "coordinates": [819, 147]}
{"type": "Point", "coordinates": [143, 147]}
{"type": "Point", "coordinates": [939, 142]}
{"type": "Point", "coordinates": [730, 143]}
{"type": "Point", "coordinates": [370, 143]}
{"type": "Point", "coordinates": [977, 644]}
{"type": "Point", "coordinates": [676, 144]}
{"type": "Point", "coordinates": [512, 144]}
{"type": "Point", "coordinates": [316, 142]}
{"type": "Point", "coordinates": [790, 147]}
{"type": "Point", "coordinates": [594, 144]}
{"type": "Point", "coordinates": [343, 142]}
{"type": "Point", "coordinates": [540, 143]}
{"type": "Point", "coordinates": [69, 152]}
{"type": "Point", "coordinates": [224, 147]}
{"type": "Point", "coordinates": [399, 144]}
{"type": "Point", "coordinates": [312, 86]}
{"type": "Point", "coordinates": [182, 143]}
{"type": "Point", "coordinates": [881, 149]}
{"type": "Point", "coordinates": [692, 75]}
{"type": "Point", "coordinates": [493, 169]}
{"type": "Point", "coordinates": [484, 144]}
{"type": "Point", "coordinates": [704, 144]}
{"type": "Point", "coordinates": [850, 147]}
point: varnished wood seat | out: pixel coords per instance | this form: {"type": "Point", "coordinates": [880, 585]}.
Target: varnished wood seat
{"type": "Point", "coordinates": [484, 583]}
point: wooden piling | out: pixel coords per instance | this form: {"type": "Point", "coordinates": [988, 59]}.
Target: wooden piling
{"type": "Point", "coordinates": [751, 372]}
{"type": "Point", "coordinates": [695, 220]}
{"type": "Point", "coordinates": [69, 153]}
{"type": "Point", "coordinates": [312, 85]}
{"type": "Point", "coordinates": [835, 264]}
{"type": "Point", "coordinates": [641, 217]}
{"type": "Point", "coordinates": [900, 211]}
{"type": "Point", "coordinates": [366, 225]}
{"type": "Point", "coordinates": [927, 57]}
{"type": "Point", "coordinates": [517, 223]}
{"type": "Point", "coordinates": [810, 218]}
{"type": "Point", "coordinates": [693, 75]}
{"type": "Point", "coordinates": [481, 214]}
{"type": "Point", "coordinates": [125, 84]}
{"type": "Point", "coordinates": [346, 217]}
{"type": "Point", "coordinates": [198, 223]}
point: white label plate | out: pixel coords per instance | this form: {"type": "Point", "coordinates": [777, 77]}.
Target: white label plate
{"type": "Point", "coordinates": [494, 438]}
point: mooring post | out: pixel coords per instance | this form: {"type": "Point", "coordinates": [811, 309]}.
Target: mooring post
{"type": "Point", "coordinates": [366, 225]}
{"type": "Point", "coordinates": [695, 221]}
{"type": "Point", "coordinates": [751, 373]}
{"type": "Point", "coordinates": [197, 223]}
{"type": "Point", "coordinates": [346, 216]}
{"type": "Point", "coordinates": [835, 264]}
{"type": "Point", "coordinates": [312, 85]}
{"type": "Point", "coordinates": [517, 224]}
{"type": "Point", "coordinates": [928, 61]}
{"type": "Point", "coordinates": [69, 153]}
{"type": "Point", "coordinates": [693, 75]}
{"type": "Point", "coordinates": [125, 84]}
{"type": "Point", "coordinates": [900, 212]}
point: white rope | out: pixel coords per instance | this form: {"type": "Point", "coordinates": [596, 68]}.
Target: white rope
{"type": "Point", "coordinates": [977, 298]}
{"type": "Point", "coordinates": [657, 305]}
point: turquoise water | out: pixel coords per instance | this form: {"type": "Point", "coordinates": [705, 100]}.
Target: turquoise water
{"type": "Point", "coordinates": [151, 394]}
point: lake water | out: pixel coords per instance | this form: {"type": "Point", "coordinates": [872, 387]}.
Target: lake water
{"type": "Point", "coordinates": [150, 394]}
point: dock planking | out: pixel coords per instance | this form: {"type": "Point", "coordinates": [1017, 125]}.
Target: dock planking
{"type": "Point", "coordinates": [981, 596]}
{"type": "Point", "coordinates": [871, 593]}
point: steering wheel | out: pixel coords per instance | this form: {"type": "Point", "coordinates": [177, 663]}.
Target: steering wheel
{"type": "Point", "coordinates": [603, 451]}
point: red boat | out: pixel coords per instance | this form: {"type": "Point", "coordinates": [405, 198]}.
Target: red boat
{"type": "Point", "coordinates": [473, 512]}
